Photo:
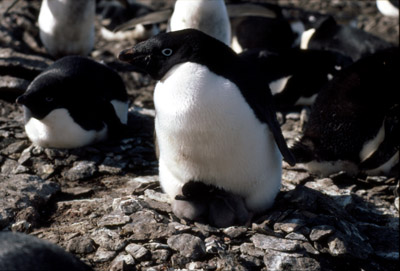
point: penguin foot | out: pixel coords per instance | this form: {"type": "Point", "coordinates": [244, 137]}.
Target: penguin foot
{"type": "Point", "coordinates": [208, 204]}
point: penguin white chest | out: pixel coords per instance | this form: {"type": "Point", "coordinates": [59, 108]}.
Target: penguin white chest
{"type": "Point", "coordinates": [207, 132]}
{"type": "Point", "coordinates": [59, 130]}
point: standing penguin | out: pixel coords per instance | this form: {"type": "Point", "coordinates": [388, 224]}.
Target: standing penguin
{"type": "Point", "coordinates": [214, 119]}
{"type": "Point", "coordinates": [211, 17]}
{"type": "Point", "coordinates": [67, 26]}
{"type": "Point", "coordinates": [354, 123]}
{"type": "Point", "coordinates": [74, 102]}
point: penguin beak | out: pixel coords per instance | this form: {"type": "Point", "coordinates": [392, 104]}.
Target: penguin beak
{"type": "Point", "coordinates": [127, 55]}
{"type": "Point", "coordinates": [21, 100]}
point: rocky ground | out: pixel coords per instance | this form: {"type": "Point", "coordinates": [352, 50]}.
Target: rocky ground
{"type": "Point", "coordinates": [103, 203]}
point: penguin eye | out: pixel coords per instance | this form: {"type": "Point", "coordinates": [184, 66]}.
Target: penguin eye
{"type": "Point", "coordinates": [167, 51]}
{"type": "Point", "coordinates": [48, 99]}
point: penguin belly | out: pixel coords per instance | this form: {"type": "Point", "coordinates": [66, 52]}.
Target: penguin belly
{"type": "Point", "coordinates": [207, 132]}
{"type": "Point", "coordinates": [59, 130]}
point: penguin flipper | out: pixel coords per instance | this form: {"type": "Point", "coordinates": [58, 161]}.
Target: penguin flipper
{"type": "Point", "coordinates": [150, 18]}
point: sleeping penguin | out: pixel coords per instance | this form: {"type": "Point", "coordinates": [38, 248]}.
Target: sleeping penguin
{"type": "Point", "coordinates": [295, 76]}
{"type": "Point", "coordinates": [214, 119]}
{"type": "Point", "coordinates": [20, 251]}
{"type": "Point", "coordinates": [345, 39]}
{"type": "Point", "coordinates": [74, 102]}
{"type": "Point", "coordinates": [354, 123]}
{"type": "Point", "coordinates": [115, 13]}
{"type": "Point", "coordinates": [67, 26]}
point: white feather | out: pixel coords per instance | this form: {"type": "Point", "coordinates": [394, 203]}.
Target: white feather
{"type": "Point", "coordinates": [211, 17]}
{"type": "Point", "coordinates": [305, 38]}
{"type": "Point", "coordinates": [59, 130]}
{"type": "Point", "coordinates": [207, 132]}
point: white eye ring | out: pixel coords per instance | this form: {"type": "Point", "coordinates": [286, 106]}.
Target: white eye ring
{"type": "Point", "coordinates": [167, 51]}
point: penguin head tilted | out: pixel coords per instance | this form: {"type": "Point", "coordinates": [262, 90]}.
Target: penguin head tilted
{"type": "Point", "coordinates": [157, 55]}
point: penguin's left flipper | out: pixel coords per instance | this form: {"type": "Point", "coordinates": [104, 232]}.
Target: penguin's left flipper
{"type": "Point", "coordinates": [264, 111]}
{"type": "Point", "coordinates": [116, 129]}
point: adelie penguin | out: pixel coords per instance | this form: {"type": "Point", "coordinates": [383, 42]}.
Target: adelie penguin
{"type": "Point", "coordinates": [214, 119]}
{"type": "Point", "coordinates": [75, 102]}
{"type": "Point", "coordinates": [21, 252]}
{"type": "Point", "coordinates": [67, 26]}
{"type": "Point", "coordinates": [354, 123]}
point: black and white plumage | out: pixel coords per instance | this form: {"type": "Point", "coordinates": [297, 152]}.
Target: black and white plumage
{"type": "Point", "coordinates": [345, 39]}
{"type": "Point", "coordinates": [74, 102]}
{"type": "Point", "coordinates": [354, 123]}
{"type": "Point", "coordinates": [295, 76]}
{"type": "Point", "coordinates": [388, 8]}
{"type": "Point", "coordinates": [20, 251]}
{"type": "Point", "coordinates": [117, 12]}
{"type": "Point", "coordinates": [214, 118]}
{"type": "Point", "coordinates": [67, 26]}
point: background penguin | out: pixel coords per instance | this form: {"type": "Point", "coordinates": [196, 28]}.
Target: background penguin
{"type": "Point", "coordinates": [20, 251]}
{"type": "Point", "coordinates": [115, 13]}
{"type": "Point", "coordinates": [211, 17]}
{"type": "Point", "coordinates": [295, 76]}
{"type": "Point", "coordinates": [345, 39]}
{"type": "Point", "coordinates": [67, 26]}
{"type": "Point", "coordinates": [354, 123]}
{"type": "Point", "coordinates": [74, 102]}
{"type": "Point", "coordinates": [214, 119]}
{"type": "Point", "coordinates": [388, 7]}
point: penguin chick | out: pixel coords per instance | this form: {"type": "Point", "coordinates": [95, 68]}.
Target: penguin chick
{"type": "Point", "coordinates": [214, 117]}
{"type": "Point", "coordinates": [67, 26]}
{"type": "Point", "coordinates": [20, 251]}
{"type": "Point", "coordinates": [209, 204]}
{"type": "Point", "coordinates": [74, 102]}
{"type": "Point", "coordinates": [354, 123]}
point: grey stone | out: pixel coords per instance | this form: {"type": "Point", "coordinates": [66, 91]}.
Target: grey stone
{"type": "Point", "coordinates": [138, 252]}
{"type": "Point", "coordinates": [274, 243]}
{"type": "Point", "coordinates": [103, 255]}
{"type": "Point", "coordinates": [320, 232]}
{"type": "Point", "coordinates": [108, 239]}
{"type": "Point", "coordinates": [80, 170]}
{"type": "Point", "coordinates": [234, 231]}
{"type": "Point", "coordinates": [250, 249]}
{"type": "Point", "coordinates": [187, 245]}
{"type": "Point", "coordinates": [286, 261]}
{"type": "Point", "coordinates": [113, 219]}
{"type": "Point", "coordinates": [127, 205]}
{"type": "Point", "coordinates": [81, 245]}
{"type": "Point", "coordinates": [123, 262]}
{"type": "Point", "coordinates": [160, 255]}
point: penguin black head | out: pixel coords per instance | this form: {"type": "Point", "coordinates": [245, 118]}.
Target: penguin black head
{"type": "Point", "coordinates": [158, 54]}
{"type": "Point", "coordinates": [41, 98]}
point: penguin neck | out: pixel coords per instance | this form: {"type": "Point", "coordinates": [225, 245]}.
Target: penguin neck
{"type": "Point", "coordinates": [211, 17]}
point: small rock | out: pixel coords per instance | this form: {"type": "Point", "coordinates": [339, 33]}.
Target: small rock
{"type": "Point", "coordinates": [123, 262]}
{"type": "Point", "coordinates": [114, 219]}
{"type": "Point", "coordinates": [108, 239]}
{"type": "Point", "coordinates": [187, 245]}
{"type": "Point", "coordinates": [127, 205]}
{"type": "Point", "coordinates": [251, 250]}
{"type": "Point", "coordinates": [214, 245]}
{"type": "Point", "coordinates": [320, 232]}
{"type": "Point", "coordinates": [80, 170]}
{"type": "Point", "coordinates": [274, 243]}
{"type": "Point", "coordinates": [235, 232]}
{"type": "Point", "coordinates": [103, 255]}
{"type": "Point", "coordinates": [157, 196]}
{"type": "Point", "coordinates": [285, 261]}
{"type": "Point", "coordinates": [138, 252]}
{"type": "Point", "coordinates": [81, 245]}
{"type": "Point", "coordinates": [160, 255]}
